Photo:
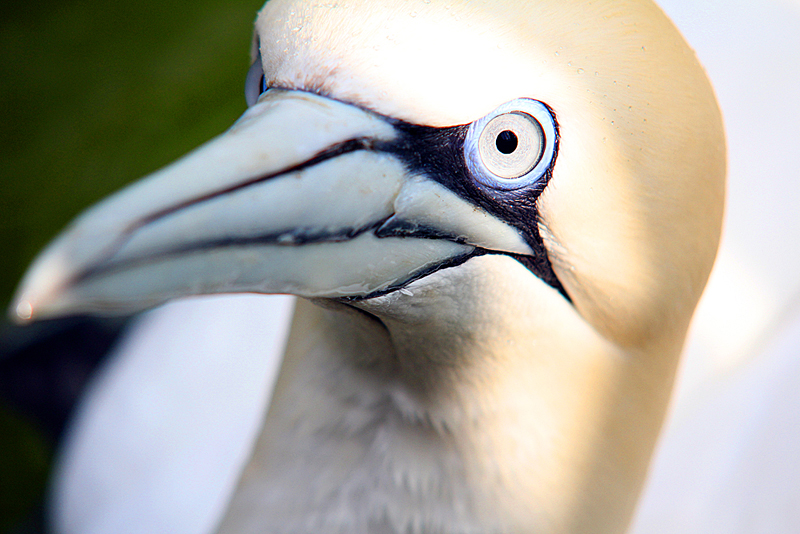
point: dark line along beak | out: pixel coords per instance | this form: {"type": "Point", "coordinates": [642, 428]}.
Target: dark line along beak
{"type": "Point", "coordinates": [292, 199]}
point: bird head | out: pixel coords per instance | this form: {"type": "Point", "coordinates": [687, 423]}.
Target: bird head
{"type": "Point", "coordinates": [384, 144]}
{"type": "Point", "coordinates": [545, 173]}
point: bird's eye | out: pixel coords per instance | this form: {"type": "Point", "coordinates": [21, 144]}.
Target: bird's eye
{"type": "Point", "coordinates": [513, 146]}
{"type": "Point", "coordinates": [255, 83]}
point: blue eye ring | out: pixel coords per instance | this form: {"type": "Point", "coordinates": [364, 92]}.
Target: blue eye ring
{"type": "Point", "coordinates": [255, 83]}
{"type": "Point", "coordinates": [513, 146]}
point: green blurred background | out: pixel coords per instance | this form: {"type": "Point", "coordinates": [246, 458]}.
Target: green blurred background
{"type": "Point", "coordinates": [93, 95]}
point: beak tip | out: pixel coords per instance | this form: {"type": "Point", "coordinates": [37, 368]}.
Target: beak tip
{"type": "Point", "coordinates": [28, 307]}
{"type": "Point", "coordinates": [42, 290]}
{"type": "Point", "coordinates": [21, 312]}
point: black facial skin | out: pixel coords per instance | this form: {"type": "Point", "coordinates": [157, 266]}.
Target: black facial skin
{"type": "Point", "coordinates": [437, 153]}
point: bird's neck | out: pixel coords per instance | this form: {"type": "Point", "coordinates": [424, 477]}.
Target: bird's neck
{"type": "Point", "coordinates": [452, 409]}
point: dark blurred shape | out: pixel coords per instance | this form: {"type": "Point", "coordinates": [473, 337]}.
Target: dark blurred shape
{"type": "Point", "coordinates": [44, 367]}
{"type": "Point", "coordinates": [24, 462]}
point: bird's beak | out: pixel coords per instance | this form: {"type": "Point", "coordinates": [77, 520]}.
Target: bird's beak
{"type": "Point", "coordinates": [294, 198]}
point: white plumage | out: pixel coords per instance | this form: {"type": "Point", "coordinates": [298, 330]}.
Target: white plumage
{"type": "Point", "coordinates": [78, 481]}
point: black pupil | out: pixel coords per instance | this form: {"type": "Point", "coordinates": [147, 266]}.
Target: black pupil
{"type": "Point", "coordinates": [506, 142]}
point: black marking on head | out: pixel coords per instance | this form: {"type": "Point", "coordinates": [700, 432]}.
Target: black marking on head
{"type": "Point", "coordinates": [438, 153]}
{"type": "Point", "coordinates": [345, 147]}
{"type": "Point", "coordinates": [395, 227]}
{"type": "Point", "coordinates": [451, 262]}
{"type": "Point", "coordinates": [290, 237]}
{"type": "Point", "coordinates": [435, 152]}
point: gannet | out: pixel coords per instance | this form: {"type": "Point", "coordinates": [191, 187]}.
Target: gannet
{"type": "Point", "coordinates": [501, 217]}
